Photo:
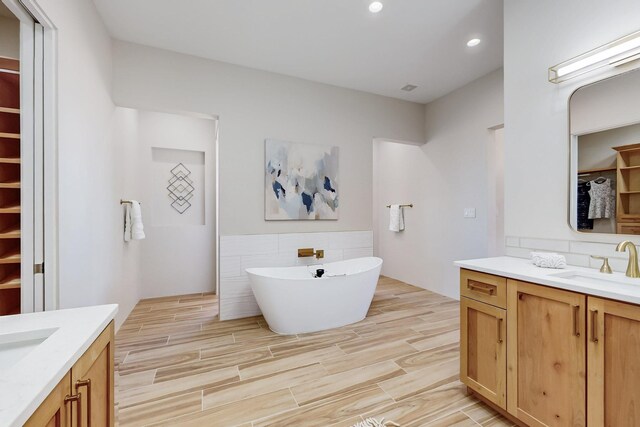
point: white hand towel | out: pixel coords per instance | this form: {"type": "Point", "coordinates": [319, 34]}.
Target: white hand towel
{"type": "Point", "coordinates": [133, 227]}
{"type": "Point", "coordinates": [127, 222]}
{"type": "Point", "coordinates": [396, 218]}
{"type": "Point", "coordinates": [137, 228]}
{"type": "Point", "coordinates": [548, 260]}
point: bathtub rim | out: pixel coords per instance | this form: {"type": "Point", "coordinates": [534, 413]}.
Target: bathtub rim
{"type": "Point", "coordinates": [257, 270]}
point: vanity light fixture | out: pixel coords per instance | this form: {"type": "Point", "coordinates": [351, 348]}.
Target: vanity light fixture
{"type": "Point", "coordinates": [473, 42]}
{"type": "Point", "coordinates": [616, 53]}
{"type": "Point", "coordinates": [375, 7]}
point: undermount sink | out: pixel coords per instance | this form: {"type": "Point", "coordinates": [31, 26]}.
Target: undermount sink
{"type": "Point", "coordinates": [599, 279]}
{"type": "Point", "coordinates": [17, 345]}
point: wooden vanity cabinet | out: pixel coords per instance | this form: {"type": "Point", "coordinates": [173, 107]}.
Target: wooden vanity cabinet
{"type": "Point", "coordinates": [546, 361]}
{"type": "Point", "coordinates": [483, 350]}
{"type": "Point", "coordinates": [85, 396]}
{"type": "Point", "coordinates": [92, 379]}
{"type": "Point", "coordinates": [483, 347]}
{"type": "Point", "coordinates": [613, 348]}
{"type": "Point", "coordinates": [53, 412]}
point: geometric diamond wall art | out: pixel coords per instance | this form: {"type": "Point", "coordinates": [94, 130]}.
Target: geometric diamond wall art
{"type": "Point", "coordinates": [180, 188]}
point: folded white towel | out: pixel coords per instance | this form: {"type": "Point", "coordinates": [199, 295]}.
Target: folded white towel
{"type": "Point", "coordinates": [396, 218]}
{"type": "Point", "coordinates": [133, 227]}
{"type": "Point", "coordinates": [548, 260]}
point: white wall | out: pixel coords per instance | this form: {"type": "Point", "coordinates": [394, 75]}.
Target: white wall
{"type": "Point", "coordinates": [178, 255]}
{"type": "Point", "coordinates": [441, 178]}
{"type": "Point", "coordinates": [95, 266]}
{"type": "Point", "coordinates": [536, 117]}
{"type": "Point", "coordinates": [254, 105]}
{"type": "Point", "coordinates": [9, 37]}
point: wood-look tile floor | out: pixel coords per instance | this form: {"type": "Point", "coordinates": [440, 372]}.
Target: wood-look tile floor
{"type": "Point", "coordinates": [178, 365]}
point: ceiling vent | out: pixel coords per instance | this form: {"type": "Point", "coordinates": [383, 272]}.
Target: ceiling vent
{"type": "Point", "coordinates": [409, 88]}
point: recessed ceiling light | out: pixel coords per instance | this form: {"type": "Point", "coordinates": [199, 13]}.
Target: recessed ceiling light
{"type": "Point", "coordinates": [375, 7]}
{"type": "Point", "coordinates": [473, 42]}
{"type": "Point", "coordinates": [409, 88]}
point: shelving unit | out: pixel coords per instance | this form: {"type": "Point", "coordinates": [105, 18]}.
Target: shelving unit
{"type": "Point", "coordinates": [628, 189]}
{"type": "Point", "coordinates": [10, 233]}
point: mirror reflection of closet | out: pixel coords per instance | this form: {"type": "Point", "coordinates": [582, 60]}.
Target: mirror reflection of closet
{"type": "Point", "coordinates": [605, 156]}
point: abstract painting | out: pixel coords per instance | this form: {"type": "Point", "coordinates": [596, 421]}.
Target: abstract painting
{"type": "Point", "coordinates": [301, 181]}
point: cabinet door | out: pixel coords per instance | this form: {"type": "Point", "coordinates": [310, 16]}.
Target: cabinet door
{"type": "Point", "coordinates": [614, 372]}
{"type": "Point", "coordinates": [55, 411]}
{"type": "Point", "coordinates": [92, 379]}
{"type": "Point", "coordinates": [546, 361]}
{"type": "Point", "coordinates": [483, 350]}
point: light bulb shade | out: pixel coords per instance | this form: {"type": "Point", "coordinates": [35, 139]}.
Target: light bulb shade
{"type": "Point", "coordinates": [375, 7]}
{"type": "Point", "coordinates": [473, 42]}
{"type": "Point", "coordinates": [616, 53]}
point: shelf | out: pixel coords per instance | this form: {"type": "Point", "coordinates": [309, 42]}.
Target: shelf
{"type": "Point", "coordinates": [10, 208]}
{"type": "Point", "coordinates": [628, 168]}
{"type": "Point", "coordinates": [13, 184]}
{"type": "Point", "coordinates": [596, 170]}
{"type": "Point", "coordinates": [11, 232]}
{"type": "Point", "coordinates": [10, 257]}
{"type": "Point", "coordinates": [9, 110]}
{"type": "Point", "coordinates": [630, 192]}
{"type": "Point", "coordinates": [10, 160]}
{"type": "Point", "coordinates": [9, 135]}
{"type": "Point", "coordinates": [630, 147]}
{"type": "Point", "coordinates": [10, 282]}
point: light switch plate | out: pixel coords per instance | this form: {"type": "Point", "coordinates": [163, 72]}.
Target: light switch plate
{"type": "Point", "coordinates": [469, 212]}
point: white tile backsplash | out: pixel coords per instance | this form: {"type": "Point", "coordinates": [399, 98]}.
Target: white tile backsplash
{"type": "Point", "coordinates": [545, 244]}
{"type": "Point", "coordinates": [577, 252]}
{"type": "Point", "coordinates": [230, 266]}
{"type": "Point", "coordinates": [512, 241]}
{"type": "Point", "coordinates": [358, 253]}
{"type": "Point", "coordinates": [599, 249]}
{"type": "Point", "coordinates": [517, 252]}
{"type": "Point", "coordinates": [351, 240]}
{"type": "Point", "coordinates": [237, 253]}
{"type": "Point", "coordinates": [578, 259]}
{"type": "Point", "coordinates": [255, 244]}
{"type": "Point", "coordinates": [293, 242]}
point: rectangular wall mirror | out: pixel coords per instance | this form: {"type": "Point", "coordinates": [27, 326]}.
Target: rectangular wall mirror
{"type": "Point", "coordinates": [605, 156]}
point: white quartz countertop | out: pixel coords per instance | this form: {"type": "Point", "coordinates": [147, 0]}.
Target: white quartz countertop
{"type": "Point", "coordinates": [614, 286]}
{"type": "Point", "coordinates": [29, 381]}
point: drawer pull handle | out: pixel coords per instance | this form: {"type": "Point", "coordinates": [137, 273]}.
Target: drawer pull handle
{"type": "Point", "coordinates": [576, 320]}
{"type": "Point", "coordinates": [77, 398]}
{"type": "Point", "coordinates": [594, 325]}
{"type": "Point", "coordinates": [87, 384]}
{"type": "Point", "coordinates": [480, 287]}
{"type": "Point", "coordinates": [500, 330]}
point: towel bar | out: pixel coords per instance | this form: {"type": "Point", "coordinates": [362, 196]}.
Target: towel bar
{"type": "Point", "coordinates": [122, 202]}
{"type": "Point", "coordinates": [410, 205]}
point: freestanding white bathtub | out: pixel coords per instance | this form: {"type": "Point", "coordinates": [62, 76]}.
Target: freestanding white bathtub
{"type": "Point", "coordinates": [294, 302]}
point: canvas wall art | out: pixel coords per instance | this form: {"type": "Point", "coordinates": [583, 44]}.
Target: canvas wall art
{"type": "Point", "coordinates": [301, 181]}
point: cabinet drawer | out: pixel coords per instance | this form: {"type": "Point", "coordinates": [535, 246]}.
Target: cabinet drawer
{"type": "Point", "coordinates": [484, 287]}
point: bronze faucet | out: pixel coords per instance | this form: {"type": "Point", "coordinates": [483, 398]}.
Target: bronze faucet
{"type": "Point", "coordinates": [632, 267]}
{"type": "Point", "coordinates": [307, 252]}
